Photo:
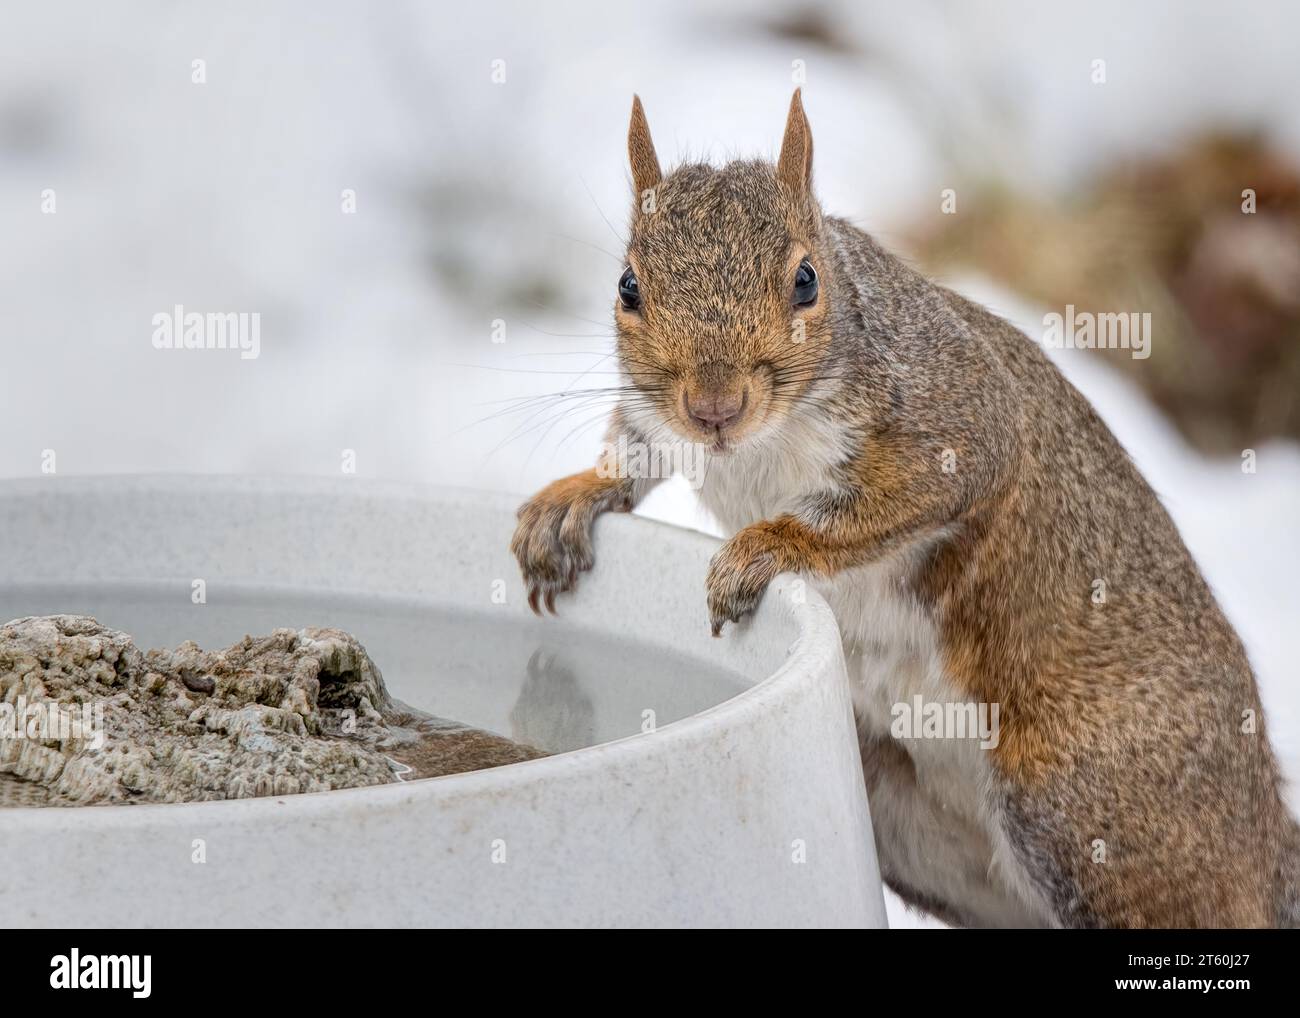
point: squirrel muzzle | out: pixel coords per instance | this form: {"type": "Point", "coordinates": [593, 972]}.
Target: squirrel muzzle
{"type": "Point", "coordinates": [716, 402]}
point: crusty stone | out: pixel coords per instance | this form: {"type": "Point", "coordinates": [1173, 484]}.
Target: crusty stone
{"type": "Point", "coordinates": [295, 711]}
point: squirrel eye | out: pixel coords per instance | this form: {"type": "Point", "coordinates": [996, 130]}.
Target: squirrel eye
{"type": "Point", "coordinates": [805, 285]}
{"type": "Point", "coordinates": [629, 292]}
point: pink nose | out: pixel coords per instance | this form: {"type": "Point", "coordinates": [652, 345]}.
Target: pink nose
{"type": "Point", "coordinates": [717, 411]}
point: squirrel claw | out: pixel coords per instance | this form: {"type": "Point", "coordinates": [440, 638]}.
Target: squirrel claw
{"type": "Point", "coordinates": [552, 549]}
{"type": "Point", "coordinates": [541, 598]}
{"type": "Point", "coordinates": [738, 576]}
{"type": "Point", "coordinates": [552, 541]}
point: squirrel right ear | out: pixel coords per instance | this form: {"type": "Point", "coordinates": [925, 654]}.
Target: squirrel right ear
{"type": "Point", "coordinates": [641, 151]}
{"type": "Point", "coordinates": [794, 168]}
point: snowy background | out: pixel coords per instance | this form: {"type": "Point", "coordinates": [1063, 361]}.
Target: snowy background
{"type": "Point", "coordinates": [479, 201]}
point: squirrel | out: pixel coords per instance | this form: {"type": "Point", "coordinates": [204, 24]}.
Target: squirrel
{"type": "Point", "coordinates": [960, 505]}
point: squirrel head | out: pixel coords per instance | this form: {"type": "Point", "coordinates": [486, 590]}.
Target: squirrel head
{"type": "Point", "coordinates": [723, 310]}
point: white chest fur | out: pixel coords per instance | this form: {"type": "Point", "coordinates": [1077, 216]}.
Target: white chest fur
{"type": "Point", "coordinates": [763, 481]}
{"type": "Point", "coordinates": [893, 656]}
{"type": "Point", "coordinates": [891, 644]}
{"type": "Point", "coordinates": [937, 834]}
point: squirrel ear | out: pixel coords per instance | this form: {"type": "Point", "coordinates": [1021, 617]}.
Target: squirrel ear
{"type": "Point", "coordinates": [641, 151]}
{"type": "Point", "coordinates": [794, 168]}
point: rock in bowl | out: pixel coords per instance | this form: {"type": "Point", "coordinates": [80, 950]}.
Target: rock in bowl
{"type": "Point", "coordinates": [294, 711]}
{"type": "Point", "coordinates": [689, 781]}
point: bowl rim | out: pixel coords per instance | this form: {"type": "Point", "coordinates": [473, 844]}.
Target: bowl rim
{"type": "Point", "coordinates": [815, 656]}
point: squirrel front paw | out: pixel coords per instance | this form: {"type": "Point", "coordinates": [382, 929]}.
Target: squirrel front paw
{"type": "Point", "coordinates": [739, 573]}
{"type": "Point", "coordinates": [552, 541]}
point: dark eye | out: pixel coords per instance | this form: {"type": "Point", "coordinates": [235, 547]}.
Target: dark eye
{"type": "Point", "coordinates": [805, 285]}
{"type": "Point", "coordinates": [629, 292]}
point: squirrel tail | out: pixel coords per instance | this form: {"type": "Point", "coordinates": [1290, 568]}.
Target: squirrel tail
{"type": "Point", "coordinates": [1288, 879]}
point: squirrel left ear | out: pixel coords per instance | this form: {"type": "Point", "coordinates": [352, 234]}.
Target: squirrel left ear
{"type": "Point", "coordinates": [641, 151]}
{"type": "Point", "coordinates": [794, 168]}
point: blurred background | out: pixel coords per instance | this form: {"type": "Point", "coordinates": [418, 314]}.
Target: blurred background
{"type": "Point", "coordinates": [425, 203]}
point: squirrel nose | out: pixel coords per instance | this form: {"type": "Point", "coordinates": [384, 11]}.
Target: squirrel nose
{"type": "Point", "coordinates": [717, 411]}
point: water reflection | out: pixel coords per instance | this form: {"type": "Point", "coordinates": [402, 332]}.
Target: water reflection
{"type": "Point", "coordinates": [553, 711]}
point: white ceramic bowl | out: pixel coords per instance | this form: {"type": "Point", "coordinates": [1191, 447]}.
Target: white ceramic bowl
{"type": "Point", "coordinates": [743, 807]}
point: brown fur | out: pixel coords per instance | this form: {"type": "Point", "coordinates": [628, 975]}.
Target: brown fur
{"type": "Point", "coordinates": [1121, 721]}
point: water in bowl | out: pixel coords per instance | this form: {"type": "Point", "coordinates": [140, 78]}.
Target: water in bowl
{"type": "Point", "coordinates": [545, 683]}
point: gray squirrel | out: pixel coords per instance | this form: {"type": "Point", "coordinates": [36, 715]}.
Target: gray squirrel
{"type": "Point", "coordinates": [954, 498]}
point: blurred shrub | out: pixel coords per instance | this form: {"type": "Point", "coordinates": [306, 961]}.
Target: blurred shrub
{"type": "Point", "coordinates": [1169, 235]}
